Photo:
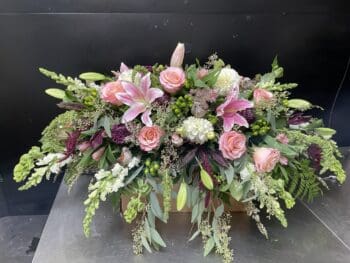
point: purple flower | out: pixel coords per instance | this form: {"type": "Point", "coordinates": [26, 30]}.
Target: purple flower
{"type": "Point", "coordinates": [163, 100]}
{"type": "Point", "coordinates": [298, 118]}
{"type": "Point", "coordinates": [119, 133]}
{"type": "Point", "coordinates": [71, 143]}
{"type": "Point", "coordinates": [248, 114]}
{"type": "Point", "coordinates": [315, 154]}
{"type": "Point", "coordinates": [97, 139]}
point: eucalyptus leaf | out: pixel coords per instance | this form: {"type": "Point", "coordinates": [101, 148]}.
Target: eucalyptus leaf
{"type": "Point", "coordinates": [157, 238]}
{"type": "Point", "coordinates": [229, 173]}
{"type": "Point", "coordinates": [133, 175]}
{"type": "Point", "coordinates": [236, 190]}
{"type": "Point", "coordinates": [209, 245]}
{"type": "Point", "coordinates": [155, 207]}
{"type": "Point", "coordinates": [219, 211]}
{"type": "Point", "coordinates": [195, 234]}
{"type": "Point", "coordinates": [145, 244]}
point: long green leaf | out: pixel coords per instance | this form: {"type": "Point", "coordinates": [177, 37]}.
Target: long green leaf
{"type": "Point", "coordinates": [181, 196]}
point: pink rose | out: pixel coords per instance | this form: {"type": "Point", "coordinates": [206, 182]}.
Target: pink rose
{"type": "Point", "coordinates": [109, 91]}
{"type": "Point", "coordinates": [262, 95]}
{"type": "Point", "coordinates": [172, 79]}
{"type": "Point", "coordinates": [265, 159]}
{"type": "Point", "coordinates": [232, 145]}
{"type": "Point", "coordinates": [149, 137]}
{"type": "Point", "coordinates": [282, 138]}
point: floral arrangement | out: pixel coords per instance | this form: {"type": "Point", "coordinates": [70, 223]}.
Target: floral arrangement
{"type": "Point", "coordinates": [200, 134]}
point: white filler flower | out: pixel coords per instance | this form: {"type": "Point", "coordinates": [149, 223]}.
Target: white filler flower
{"type": "Point", "coordinates": [228, 78]}
{"type": "Point", "coordinates": [196, 129]}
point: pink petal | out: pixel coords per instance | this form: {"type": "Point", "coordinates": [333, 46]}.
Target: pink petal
{"type": "Point", "coordinates": [145, 83]}
{"type": "Point", "coordinates": [146, 119]}
{"type": "Point", "coordinates": [133, 112]}
{"type": "Point", "coordinates": [124, 98]}
{"type": "Point", "coordinates": [123, 67]}
{"type": "Point", "coordinates": [240, 104]}
{"type": "Point", "coordinates": [228, 123]}
{"type": "Point", "coordinates": [153, 94]}
{"type": "Point", "coordinates": [239, 120]}
{"type": "Point", "coordinates": [132, 91]}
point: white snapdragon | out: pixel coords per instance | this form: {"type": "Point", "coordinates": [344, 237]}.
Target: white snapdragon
{"type": "Point", "coordinates": [228, 78]}
{"type": "Point", "coordinates": [53, 161]}
{"type": "Point", "coordinates": [196, 130]}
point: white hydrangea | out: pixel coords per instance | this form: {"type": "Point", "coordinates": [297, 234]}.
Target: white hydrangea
{"type": "Point", "coordinates": [196, 129]}
{"type": "Point", "coordinates": [227, 79]}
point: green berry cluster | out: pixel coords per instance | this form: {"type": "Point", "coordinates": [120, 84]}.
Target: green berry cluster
{"type": "Point", "coordinates": [152, 167]}
{"type": "Point", "coordinates": [260, 127]}
{"type": "Point", "coordinates": [212, 118]}
{"type": "Point", "coordinates": [182, 105]}
{"type": "Point", "coordinates": [90, 98]}
{"type": "Point", "coordinates": [135, 206]}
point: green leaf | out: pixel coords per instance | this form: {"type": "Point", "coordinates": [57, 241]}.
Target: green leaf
{"type": "Point", "coordinates": [157, 238]}
{"type": "Point", "coordinates": [283, 148]}
{"type": "Point", "coordinates": [219, 211]}
{"type": "Point", "coordinates": [92, 76]}
{"type": "Point", "coordinates": [145, 244]}
{"type": "Point", "coordinates": [326, 133]}
{"type": "Point", "coordinates": [209, 245]}
{"type": "Point", "coordinates": [56, 93]}
{"type": "Point", "coordinates": [181, 196]}
{"type": "Point", "coordinates": [155, 207]}
{"type": "Point", "coordinates": [195, 234]}
{"type": "Point", "coordinates": [107, 126]}
{"type": "Point", "coordinates": [133, 175]}
{"type": "Point", "coordinates": [229, 173]}
{"type": "Point", "coordinates": [299, 104]}
{"type": "Point", "coordinates": [206, 179]}
{"type": "Point", "coordinates": [236, 190]}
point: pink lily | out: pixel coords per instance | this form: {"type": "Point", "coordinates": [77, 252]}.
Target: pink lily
{"type": "Point", "coordinates": [230, 108]}
{"type": "Point", "coordinates": [139, 99]}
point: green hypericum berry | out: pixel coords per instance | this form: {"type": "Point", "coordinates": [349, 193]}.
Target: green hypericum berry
{"type": "Point", "coordinates": [188, 97]}
{"type": "Point", "coordinates": [155, 165]}
{"type": "Point", "coordinates": [183, 105]}
{"type": "Point", "coordinates": [146, 171]}
{"type": "Point", "coordinates": [152, 171]}
{"type": "Point", "coordinates": [148, 162]}
{"type": "Point", "coordinates": [89, 100]}
{"type": "Point", "coordinates": [93, 92]}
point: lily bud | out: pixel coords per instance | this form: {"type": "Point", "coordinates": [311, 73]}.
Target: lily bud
{"type": "Point", "coordinates": [84, 146]}
{"type": "Point", "coordinates": [177, 57]}
{"type": "Point", "coordinates": [98, 154]}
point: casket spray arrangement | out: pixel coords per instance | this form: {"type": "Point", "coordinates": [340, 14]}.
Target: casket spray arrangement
{"type": "Point", "coordinates": [215, 135]}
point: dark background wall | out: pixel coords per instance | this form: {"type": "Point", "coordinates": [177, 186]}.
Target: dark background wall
{"type": "Point", "coordinates": [311, 38]}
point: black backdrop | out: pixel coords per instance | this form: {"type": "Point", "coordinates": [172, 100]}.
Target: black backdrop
{"type": "Point", "coordinates": [311, 38]}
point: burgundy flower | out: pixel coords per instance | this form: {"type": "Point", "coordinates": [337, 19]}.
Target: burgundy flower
{"type": "Point", "coordinates": [71, 143]}
{"type": "Point", "coordinates": [248, 114]}
{"type": "Point", "coordinates": [97, 139]}
{"type": "Point", "coordinates": [315, 154]}
{"type": "Point", "coordinates": [298, 118]}
{"type": "Point", "coordinates": [163, 100]}
{"type": "Point", "coordinates": [119, 133]}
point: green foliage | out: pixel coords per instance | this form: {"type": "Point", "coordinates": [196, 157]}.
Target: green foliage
{"type": "Point", "coordinates": [134, 206]}
{"type": "Point", "coordinates": [304, 183]}
{"type": "Point", "coordinates": [26, 164]}
{"type": "Point", "coordinates": [330, 152]}
{"type": "Point", "coordinates": [167, 185]}
{"type": "Point", "coordinates": [36, 177]}
{"type": "Point", "coordinates": [55, 133]}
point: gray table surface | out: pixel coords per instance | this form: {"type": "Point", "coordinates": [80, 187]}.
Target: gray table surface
{"type": "Point", "coordinates": [319, 232]}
